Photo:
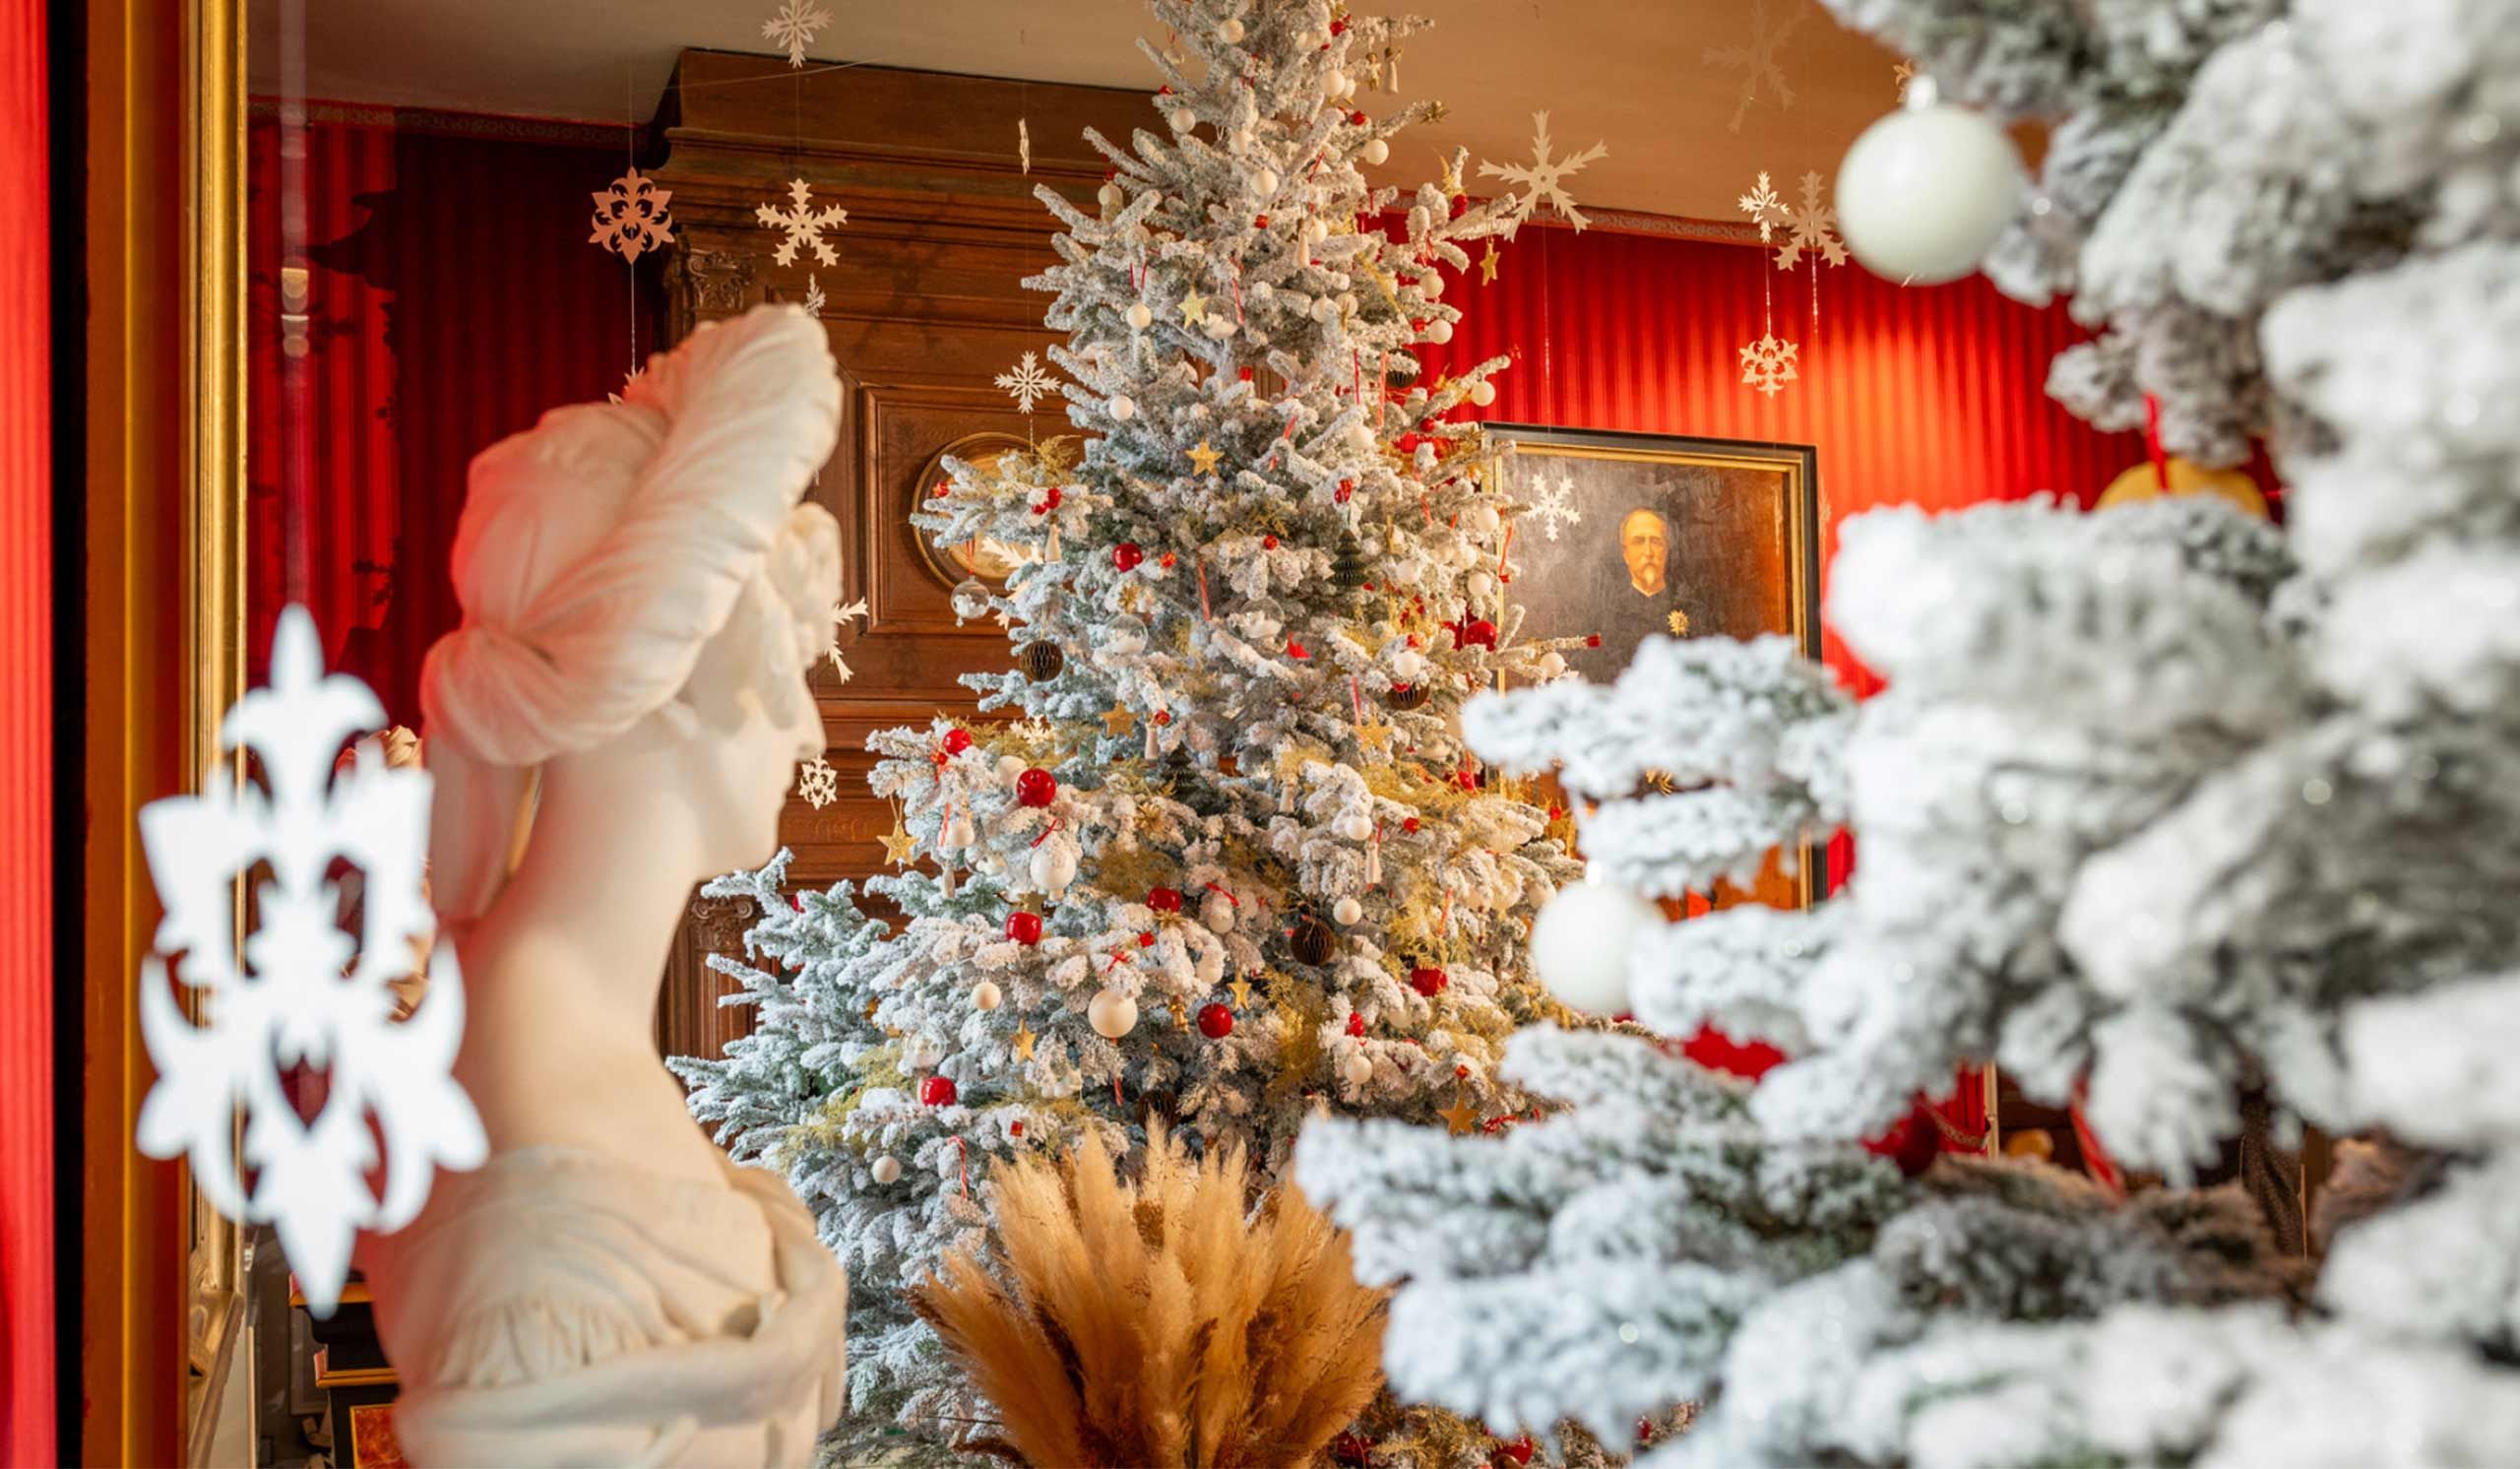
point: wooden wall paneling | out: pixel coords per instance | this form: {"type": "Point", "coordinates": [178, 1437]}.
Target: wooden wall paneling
{"type": "Point", "coordinates": [925, 306]}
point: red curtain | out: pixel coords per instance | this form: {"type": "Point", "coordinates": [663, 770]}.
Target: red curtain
{"type": "Point", "coordinates": [450, 299]}
{"type": "Point", "coordinates": [27, 1181]}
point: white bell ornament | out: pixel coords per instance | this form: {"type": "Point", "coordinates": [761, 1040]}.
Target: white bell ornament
{"type": "Point", "coordinates": [1111, 1014]}
{"type": "Point", "coordinates": [1009, 767]}
{"type": "Point", "coordinates": [958, 833]}
{"type": "Point", "coordinates": [1925, 191]}
{"type": "Point", "coordinates": [1581, 941]}
{"type": "Point", "coordinates": [1207, 962]}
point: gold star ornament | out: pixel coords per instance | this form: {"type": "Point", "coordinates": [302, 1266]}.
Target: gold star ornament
{"type": "Point", "coordinates": [1205, 458]}
{"type": "Point", "coordinates": [1488, 264]}
{"type": "Point", "coordinates": [1024, 1039]}
{"type": "Point", "coordinates": [1240, 990]}
{"type": "Point", "coordinates": [1116, 721]}
{"type": "Point", "coordinates": [1374, 736]}
{"type": "Point", "coordinates": [1461, 1117]}
{"type": "Point", "coordinates": [1194, 307]}
{"type": "Point", "coordinates": [899, 846]}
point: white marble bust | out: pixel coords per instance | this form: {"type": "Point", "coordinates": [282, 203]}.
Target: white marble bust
{"type": "Point", "coordinates": [619, 716]}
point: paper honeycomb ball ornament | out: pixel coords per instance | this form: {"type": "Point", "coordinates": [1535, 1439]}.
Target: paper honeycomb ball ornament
{"type": "Point", "coordinates": [1043, 661]}
{"type": "Point", "coordinates": [1428, 980]}
{"type": "Point", "coordinates": [938, 1091]}
{"type": "Point", "coordinates": [1581, 944]}
{"type": "Point", "coordinates": [1216, 1020]}
{"type": "Point", "coordinates": [1405, 696]}
{"type": "Point", "coordinates": [886, 1170]}
{"type": "Point", "coordinates": [1024, 927]}
{"type": "Point", "coordinates": [1311, 940]}
{"type": "Point", "coordinates": [1111, 1014]}
{"type": "Point", "coordinates": [1925, 191]}
{"type": "Point", "coordinates": [986, 997]}
{"type": "Point", "coordinates": [1036, 788]}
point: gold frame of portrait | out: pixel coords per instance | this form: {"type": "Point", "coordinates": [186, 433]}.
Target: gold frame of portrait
{"type": "Point", "coordinates": [939, 561]}
{"type": "Point", "coordinates": [1799, 509]}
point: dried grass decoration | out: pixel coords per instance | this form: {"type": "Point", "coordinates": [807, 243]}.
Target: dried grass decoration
{"type": "Point", "coordinates": [1156, 1322]}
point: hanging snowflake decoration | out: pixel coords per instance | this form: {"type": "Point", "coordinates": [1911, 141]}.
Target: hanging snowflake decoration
{"type": "Point", "coordinates": [1814, 227]}
{"type": "Point", "coordinates": [803, 224]}
{"type": "Point", "coordinates": [841, 618]}
{"type": "Point", "coordinates": [1766, 208]}
{"type": "Point", "coordinates": [1900, 75]}
{"type": "Point", "coordinates": [299, 990]}
{"type": "Point", "coordinates": [818, 783]}
{"type": "Point", "coordinates": [814, 300]}
{"type": "Point", "coordinates": [627, 379]}
{"type": "Point", "coordinates": [1028, 383]}
{"type": "Point", "coordinates": [1756, 60]}
{"type": "Point", "coordinates": [1545, 179]}
{"type": "Point", "coordinates": [631, 218]}
{"type": "Point", "coordinates": [792, 28]}
{"type": "Point", "coordinates": [1024, 143]}
{"type": "Point", "coordinates": [1554, 505]}
{"type": "Point", "coordinates": [1767, 364]}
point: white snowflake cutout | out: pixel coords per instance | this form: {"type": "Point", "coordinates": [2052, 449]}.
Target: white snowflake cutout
{"type": "Point", "coordinates": [1028, 383]}
{"type": "Point", "coordinates": [631, 218]}
{"type": "Point", "coordinates": [1767, 364]}
{"type": "Point", "coordinates": [1813, 228]}
{"type": "Point", "coordinates": [803, 224]}
{"type": "Point", "coordinates": [297, 989]}
{"type": "Point", "coordinates": [814, 300]}
{"type": "Point", "coordinates": [793, 28]}
{"type": "Point", "coordinates": [818, 783]}
{"type": "Point", "coordinates": [1756, 60]}
{"type": "Point", "coordinates": [841, 618]}
{"type": "Point", "coordinates": [1765, 209]}
{"type": "Point", "coordinates": [1553, 505]}
{"type": "Point", "coordinates": [1545, 179]}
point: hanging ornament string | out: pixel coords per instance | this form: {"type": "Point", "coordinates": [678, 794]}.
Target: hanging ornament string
{"type": "Point", "coordinates": [2153, 442]}
{"type": "Point", "coordinates": [961, 1166]}
{"type": "Point", "coordinates": [630, 159]}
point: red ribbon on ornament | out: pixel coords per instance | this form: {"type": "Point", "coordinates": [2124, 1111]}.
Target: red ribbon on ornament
{"type": "Point", "coordinates": [2153, 440]}
{"type": "Point", "coordinates": [1046, 832]}
{"type": "Point", "coordinates": [961, 1166]}
{"type": "Point", "coordinates": [1356, 695]}
{"type": "Point", "coordinates": [1205, 616]}
{"type": "Point", "coordinates": [1222, 893]}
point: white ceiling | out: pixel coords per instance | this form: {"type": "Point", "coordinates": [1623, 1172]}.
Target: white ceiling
{"type": "Point", "coordinates": [1634, 72]}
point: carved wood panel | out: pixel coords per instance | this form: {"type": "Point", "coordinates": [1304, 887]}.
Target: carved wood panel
{"type": "Point", "coordinates": [924, 307]}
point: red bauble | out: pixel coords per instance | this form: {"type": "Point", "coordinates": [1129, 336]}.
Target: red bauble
{"type": "Point", "coordinates": [1912, 1142]}
{"type": "Point", "coordinates": [1167, 562]}
{"type": "Point", "coordinates": [1717, 1051]}
{"type": "Point", "coordinates": [1478, 632]}
{"type": "Point", "coordinates": [1036, 788]}
{"type": "Point", "coordinates": [1050, 498]}
{"type": "Point", "coordinates": [1520, 1450]}
{"type": "Point", "coordinates": [1146, 939]}
{"type": "Point", "coordinates": [1024, 927]}
{"type": "Point", "coordinates": [938, 1091]}
{"type": "Point", "coordinates": [1355, 1023]}
{"type": "Point", "coordinates": [1427, 980]}
{"type": "Point", "coordinates": [957, 741]}
{"type": "Point", "coordinates": [1408, 824]}
{"type": "Point", "coordinates": [1215, 1021]}
{"type": "Point", "coordinates": [1164, 900]}
{"type": "Point", "coordinates": [1591, 640]}
{"type": "Point", "coordinates": [1268, 543]}
{"type": "Point", "coordinates": [1127, 554]}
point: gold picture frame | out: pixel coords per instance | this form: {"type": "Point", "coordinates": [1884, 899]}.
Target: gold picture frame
{"type": "Point", "coordinates": [991, 561]}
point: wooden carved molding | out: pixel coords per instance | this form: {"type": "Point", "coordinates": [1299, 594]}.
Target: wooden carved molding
{"type": "Point", "coordinates": [717, 924]}
{"type": "Point", "coordinates": [701, 285]}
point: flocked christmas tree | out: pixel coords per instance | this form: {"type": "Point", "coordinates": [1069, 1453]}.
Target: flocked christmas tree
{"type": "Point", "coordinates": [1233, 866]}
{"type": "Point", "coordinates": [2159, 807]}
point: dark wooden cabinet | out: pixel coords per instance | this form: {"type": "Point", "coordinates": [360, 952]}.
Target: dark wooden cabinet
{"type": "Point", "coordinates": [925, 306]}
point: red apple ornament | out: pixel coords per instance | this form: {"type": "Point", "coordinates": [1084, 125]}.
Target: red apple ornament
{"type": "Point", "coordinates": [1036, 788]}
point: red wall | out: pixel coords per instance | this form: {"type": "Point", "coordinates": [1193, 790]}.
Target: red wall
{"type": "Point", "coordinates": [26, 1305]}
{"type": "Point", "coordinates": [1927, 396]}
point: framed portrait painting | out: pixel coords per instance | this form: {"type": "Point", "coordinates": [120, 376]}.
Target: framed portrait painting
{"type": "Point", "coordinates": [1626, 534]}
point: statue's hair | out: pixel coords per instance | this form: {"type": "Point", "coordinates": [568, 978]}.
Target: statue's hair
{"type": "Point", "coordinates": [604, 550]}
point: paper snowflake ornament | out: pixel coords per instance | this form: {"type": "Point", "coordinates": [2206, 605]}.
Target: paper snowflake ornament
{"type": "Point", "coordinates": [1765, 208]}
{"type": "Point", "coordinates": [841, 618]}
{"type": "Point", "coordinates": [1543, 178]}
{"type": "Point", "coordinates": [804, 225]}
{"type": "Point", "coordinates": [1027, 384]}
{"type": "Point", "coordinates": [631, 218]}
{"type": "Point", "coordinates": [1813, 225]}
{"type": "Point", "coordinates": [1756, 60]}
{"type": "Point", "coordinates": [1024, 143]}
{"type": "Point", "coordinates": [1767, 364]}
{"type": "Point", "coordinates": [814, 300]}
{"type": "Point", "coordinates": [818, 783]}
{"type": "Point", "coordinates": [793, 28]}
{"type": "Point", "coordinates": [299, 990]}
{"type": "Point", "coordinates": [1553, 505]}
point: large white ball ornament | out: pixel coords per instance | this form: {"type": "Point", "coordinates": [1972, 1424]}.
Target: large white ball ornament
{"type": "Point", "coordinates": [1123, 407]}
{"type": "Point", "coordinates": [1480, 583]}
{"type": "Point", "coordinates": [1355, 826]}
{"type": "Point", "coordinates": [1376, 151]}
{"type": "Point", "coordinates": [1925, 190]}
{"type": "Point", "coordinates": [1552, 664]}
{"type": "Point", "coordinates": [1111, 1014]}
{"type": "Point", "coordinates": [1323, 308]}
{"type": "Point", "coordinates": [1183, 119]}
{"type": "Point", "coordinates": [1266, 181]}
{"type": "Point", "coordinates": [1439, 331]}
{"type": "Point", "coordinates": [1581, 942]}
{"type": "Point", "coordinates": [1483, 392]}
{"type": "Point", "coordinates": [1141, 316]}
{"type": "Point", "coordinates": [1218, 913]}
{"type": "Point", "coordinates": [1220, 326]}
{"type": "Point", "coordinates": [1431, 284]}
{"type": "Point", "coordinates": [1358, 1068]}
{"type": "Point", "coordinates": [1335, 82]}
{"type": "Point", "coordinates": [986, 997]}
{"type": "Point", "coordinates": [1408, 665]}
{"type": "Point", "coordinates": [1230, 31]}
{"type": "Point", "coordinates": [1483, 517]}
{"type": "Point", "coordinates": [887, 1169]}
{"type": "Point", "coordinates": [1347, 910]}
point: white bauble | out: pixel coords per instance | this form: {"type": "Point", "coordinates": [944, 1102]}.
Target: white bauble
{"type": "Point", "coordinates": [1347, 910]}
{"type": "Point", "coordinates": [1406, 573]}
{"type": "Point", "coordinates": [1376, 151]}
{"type": "Point", "coordinates": [1208, 964]}
{"type": "Point", "coordinates": [1335, 82]}
{"type": "Point", "coordinates": [1480, 583]}
{"type": "Point", "coordinates": [1009, 767]}
{"type": "Point", "coordinates": [958, 833]}
{"type": "Point", "coordinates": [1055, 865]}
{"type": "Point", "coordinates": [1925, 190]}
{"type": "Point", "coordinates": [1310, 41]}
{"type": "Point", "coordinates": [1552, 664]}
{"type": "Point", "coordinates": [887, 1169]}
{"type": "Point", "coordinates": [1111, 1014]}
{"type": "Point", "coordinates": [986, 997]}
{"type": "Point", "coordinates": [1483, 518]}
{"type": "Point", "coordinates": [1123, 407]}
{"type": "Point", "coordinates": [1431, 286]}
{"type": "Point", "coordinates": [1218, 913]}
{"type": "Point", "coordinates": [1219, 325]}
{"type": "Point", "coordinates": [1323, 308]}
{"type": "Point", "coordinates": [1266, 181]}
{"type": "Point", "coordinates": [1111, 195]}
{"type": "Point", "coordinates": [1408, 666]}
{"type": "Point", "coordinates": [1483, 392]}
{"type": "Point", "coordinates": [1581, 944]}
{"type": "Point", "coordinates": [1439, 331]}
{"type": "Point", "coordinates": [919, 1053]}
{"type": "Point", "coordinates": [1360, 437]}
{"type": "Point", "coordinates": [1355, 826]}
{"type": "Point", "coordinates": [1358, 1068]}
{"type": "Point", "coordinates": [1183, 119]}
{"type": "Point", "coordinates": [1230, 31]}
{"type": "Point", "coordinates": [1140, 315]}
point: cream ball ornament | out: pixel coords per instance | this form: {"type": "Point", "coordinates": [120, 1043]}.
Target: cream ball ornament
{"type": "Point", "coordinates": [1140, 315]}
{"type": "Point", "coordinates": [1480, 583]}
{"type": "Point", "coordinates": [1266, 181]}
{"type": "Point", "coordinates": [1431, 284]}
{"type": "Point", "coordinates": [1358, 1069]}
{"type": "Point", "coordinates": [1335, 82]}
{"type": "Point", "coordinates": [1483, 392]}
{"type": "Point", "coordinates": [1218, 913]}
{"type": "Point", "coordinates": [1347, 910]}
{"type": "Point", "coordinates": [1323, 308]}
{"type": "Point", "coordinates": [1230, 31]}
{"type": "Point", "coordinates": [1483, 517]}
{"type": "Point", "coordinates": [886, 1170]}
{"type": "Point", "coordinates": [1408, 665]}
{"type": "Point", "coordinates": [1925, 191]}
{"type": "Point", "coordinates": [1123, 407]}
{"type": "Point", "coordinates": [986, 997]}
{"type": "Point", "coordinates": [1183, 119]}
{"type": "Point", "coordinates": [1582, 940]}
{"type": "Point", "coordinates": [1111, 195]}
{"type": "Point", "coordinates": [1355, 826]}
{"type": "Point", "coordinates": [1111, 1014]}
{"type": "Point", "coordinates": [1439, 331]}
{"type": "Point", "coordinates": [1376, 151]}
